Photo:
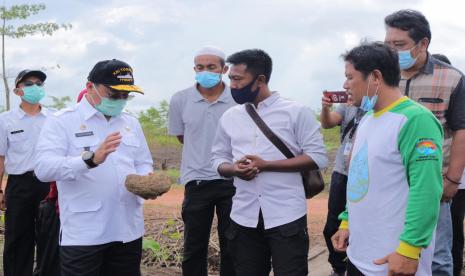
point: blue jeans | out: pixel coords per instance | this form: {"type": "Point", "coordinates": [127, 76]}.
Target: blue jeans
{"type": "Point", "coordinates": [442, 260]}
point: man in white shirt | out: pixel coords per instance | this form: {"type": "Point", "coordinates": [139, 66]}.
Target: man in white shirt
{"type": "Point", "coordinates": [193, 117]}
{"type": "Point", "coordinates": [89, 149]}
{"type": "Point", "coordinates": [19, 129]}
{"type": "Point", "coordinates": [269, 208]}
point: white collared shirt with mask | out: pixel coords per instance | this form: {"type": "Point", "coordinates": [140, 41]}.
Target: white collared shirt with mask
{"type": "Point", "coordinates": [95, 206]}
{"type": "Point", "coordinates": [19, 132]}
{"type": "Point", "coordinates": [279, 195]}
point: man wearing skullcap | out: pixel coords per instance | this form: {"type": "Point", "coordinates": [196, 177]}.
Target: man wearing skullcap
{"type": "Point", "coordinates": [193, 118]}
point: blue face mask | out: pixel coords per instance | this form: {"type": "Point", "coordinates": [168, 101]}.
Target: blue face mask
{"type": "Point", "coordinates": [367, 102]}
{"type": "Point", "coordinates": [110, 107]}
{"type": "Point", "coordinates": [33, 94]}
{"type": "Point", "coordinates": [244, 94]}
{"type": "Point", "coordinates": [406, 60]}
{"type": "Point", "coordinates": [207, 79]}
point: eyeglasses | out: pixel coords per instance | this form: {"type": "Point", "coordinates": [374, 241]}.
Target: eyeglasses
{"type": "Point", "coordinates": [117, 95]}
{"type": "Point", "coordinates": [31, 83]}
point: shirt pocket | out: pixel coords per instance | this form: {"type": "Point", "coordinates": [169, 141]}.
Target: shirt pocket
{"type": "Point", "coordinates": [83, 143]}
{"type": "Point", "coordinates": [18, 141]}
{"type": "Point", "coordinates": [129, 146]}
{"type": "Point", "coordinates": [85, 206]}
{"type": "Point", "coordinates": [83, 213]}
{"type": "Point", "coordinates": [437, 106]}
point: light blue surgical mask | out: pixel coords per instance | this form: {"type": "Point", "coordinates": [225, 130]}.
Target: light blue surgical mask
{"type": "Point", "coordinates": [367, 102]}
{"type": "Point", "coordinates": [207, 79]}
{"type": "Point", "coordinates": [108, 106]}
{"type": "Point", "coordinates": [406, 60]}
{"type": "Point", "coordinates": [33, 94]}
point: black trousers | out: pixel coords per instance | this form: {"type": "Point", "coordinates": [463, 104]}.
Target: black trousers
{"type": "Point", "coordinates": [352, 270]}
{"type": "Point", "coordinates": [110, 259]}
{"type": "Point", "coordinates": [336, 205]}
{"type": "Point", "coordinates": [198, 208]}
{"type": "Point", "coordinates": [255, 250]}
{"type": "Point", "coordinates": [22, 197]}
{"type": "Point", "coordinates": [457, 210]}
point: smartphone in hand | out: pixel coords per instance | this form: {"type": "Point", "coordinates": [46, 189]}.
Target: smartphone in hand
{"type": "Point", "coordinates": [336, 96]}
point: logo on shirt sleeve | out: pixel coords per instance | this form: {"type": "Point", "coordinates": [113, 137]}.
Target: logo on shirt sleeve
{"type": "Point", "coordinates": [426, 149]}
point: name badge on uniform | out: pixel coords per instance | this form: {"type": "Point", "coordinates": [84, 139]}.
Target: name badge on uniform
{"type": "Point", "coordinates": [17, 131]}
{"type": "Point", "coordinates": [347, 148]}
{"type": "Point", "coordinates": [84, 134]}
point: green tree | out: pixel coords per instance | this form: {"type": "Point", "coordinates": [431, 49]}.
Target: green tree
{"type": "Point", "coordinates": [155, 117]}
{"type": "Point", "coordinates": [59, 103]}
{"type": "Point", "coordinates": [22, 12]}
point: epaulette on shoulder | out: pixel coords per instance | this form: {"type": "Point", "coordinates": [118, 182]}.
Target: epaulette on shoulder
{"type": "Point", "coordinates": [65, 110]}
{"type": "Point", "coordinates": [128, 113]}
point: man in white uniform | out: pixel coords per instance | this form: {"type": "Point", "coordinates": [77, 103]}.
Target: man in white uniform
{"type": "Point", "coordinates": [19, 130]}
{"type": "Point", "coordinates": [89, 150]}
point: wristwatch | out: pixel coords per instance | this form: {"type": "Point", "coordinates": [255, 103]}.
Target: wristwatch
{"type": "Point", "coordinates": [87, 157]}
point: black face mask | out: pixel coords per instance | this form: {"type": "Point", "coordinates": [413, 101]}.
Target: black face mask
{"type": "Point", "coordinates": [245, 94]}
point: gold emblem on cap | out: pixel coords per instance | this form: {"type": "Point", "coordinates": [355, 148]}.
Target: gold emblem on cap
{"type": "Point", "coordinates": [82, 127]}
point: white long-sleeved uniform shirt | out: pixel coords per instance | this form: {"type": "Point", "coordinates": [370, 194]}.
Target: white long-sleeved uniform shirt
{"type": "Point", "coordinates": [18, 137]}
{"type": "Point", "coordinates": [95, 206]}
{"type": "Point", "coordinates": [279, 195]}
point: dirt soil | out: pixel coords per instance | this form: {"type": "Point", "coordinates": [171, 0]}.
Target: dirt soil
{"type": "Point", "coordinates": [169, 206]}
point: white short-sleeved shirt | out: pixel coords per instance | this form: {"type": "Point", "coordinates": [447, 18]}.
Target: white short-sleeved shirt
{"type": "Point", "coordinates": [18, 137]}
{"type": "Point", "coordinates": [191, 115]}
{"type": "Point", "coordinates": [279, 195]}
{"type": "Point", "coordinates": [95, 206]}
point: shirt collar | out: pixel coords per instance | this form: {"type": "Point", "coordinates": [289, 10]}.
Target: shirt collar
{"type": "Point", "coordinates": [270, 100]}
{"type": "Point", "coordinates": [20, 112]}
{"type": "Point", "coordinates": [86, 108]}
{"type": "Point", "coordinates": [197, 96]}
{"type": "Point", "coordinates": [225, 96]}
{"type": "Point", "coordinates": [428, 68]}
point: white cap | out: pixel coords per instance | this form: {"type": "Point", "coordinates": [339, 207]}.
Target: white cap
{"type": "Point", "coordinates": [211, 50]}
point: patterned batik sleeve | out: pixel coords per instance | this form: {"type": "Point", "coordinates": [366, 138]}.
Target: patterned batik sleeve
{"type": "Point", "coordinates": [420, 145]}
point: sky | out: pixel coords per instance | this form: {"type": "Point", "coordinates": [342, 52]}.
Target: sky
{"type": "Point", "coordinates": [158, 38]}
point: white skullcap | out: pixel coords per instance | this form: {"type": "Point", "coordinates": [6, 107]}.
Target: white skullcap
{"type": "Point", "coordinates": [211, 50]}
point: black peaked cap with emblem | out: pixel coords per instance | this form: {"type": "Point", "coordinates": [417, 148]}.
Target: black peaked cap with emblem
{"type": "Point", "coordinates": [115, 74]}
{"type": "Point", "coordinates": [27, 73]}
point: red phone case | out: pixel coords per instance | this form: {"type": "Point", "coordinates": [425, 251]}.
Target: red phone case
{"type": "Point", "coordinates": [336, 96]}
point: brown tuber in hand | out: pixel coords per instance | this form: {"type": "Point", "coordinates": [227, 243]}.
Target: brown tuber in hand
{"type": "Point", "coordinates": [148, 186]}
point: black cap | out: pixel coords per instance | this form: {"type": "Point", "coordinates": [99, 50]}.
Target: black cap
{"type": "Point", "coordinates": [115, 74]}
{"type": "Point", "coordinates": [27, 73]}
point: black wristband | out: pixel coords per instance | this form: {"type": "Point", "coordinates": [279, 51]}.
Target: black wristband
{"type": "Point", "coordinates": [452, 181]}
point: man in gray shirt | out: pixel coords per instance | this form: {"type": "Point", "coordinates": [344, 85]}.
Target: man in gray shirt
{"type": "Point", "coordinates": [193, 117]}
{"type": "Point", "coordinates": [347, 116]}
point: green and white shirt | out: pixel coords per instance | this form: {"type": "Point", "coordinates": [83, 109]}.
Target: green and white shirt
{"type": "Point", "coordinates": [394, 186]}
